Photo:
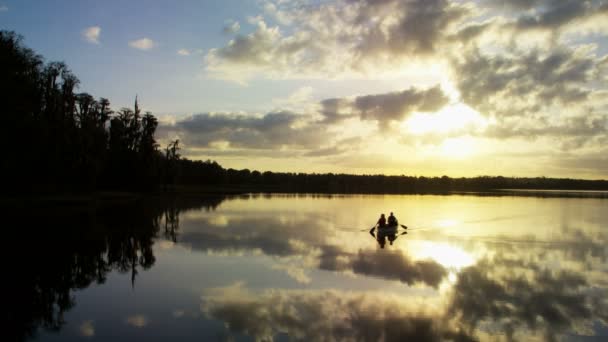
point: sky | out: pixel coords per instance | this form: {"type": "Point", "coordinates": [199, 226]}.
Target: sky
{"type": "Point", "coordinates": [414, 87]}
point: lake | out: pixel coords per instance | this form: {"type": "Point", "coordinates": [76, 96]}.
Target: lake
{"type": "Point", "coordinates": [296, 267]}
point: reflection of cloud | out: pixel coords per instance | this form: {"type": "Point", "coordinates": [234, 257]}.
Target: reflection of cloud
{"type": "Point", "coordinates": [386, 264]}
{"type": "Point", "coordinates": [87, 329]}
{"type": "Point", "coordinates": [544, 301]}
{"type": "Point", "coordinates": [286, 239]}
{"type": "Point", "coordinates": [138, 321]}
{"type": "Point", "coordinates": [218, 220]}
{"type": "Point", "coordinates": [267, 234]}
{"type": "Point", "coordinates": [512, 298]}
{"type": "Point", "coordinates": [165, 244]}
{"type": "Point", "coordinates": [297, 273]}
{"type": "Point", "coordinates": [326, 316]}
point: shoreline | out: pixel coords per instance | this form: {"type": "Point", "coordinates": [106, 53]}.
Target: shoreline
{"type": "Point", "coordinates": [205, 192]}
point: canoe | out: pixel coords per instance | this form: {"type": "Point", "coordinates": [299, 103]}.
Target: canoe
{"type": "Point", "coordinates": [388, 230]}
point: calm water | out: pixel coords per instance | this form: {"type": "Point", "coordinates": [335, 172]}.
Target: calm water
{"type": "Point", "coordinates": [307, 268]}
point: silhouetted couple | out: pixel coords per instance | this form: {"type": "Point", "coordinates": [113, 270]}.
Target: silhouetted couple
{"type": "Point", "coordinates": [392, 221]}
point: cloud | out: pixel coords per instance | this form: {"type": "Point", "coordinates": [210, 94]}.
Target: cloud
{"type": "Point", "coordinates": [268, 131]}
{"type": "Point", "coordinates": [3, 8]}
{"type": "Point", "coordinates": [137, 321]}
{"type": "Point", "coordinates": [585, 127]}
{"type": "Point", "coordinates": [183, 52]}
{"type": "Point", "coordinates": [336, 39]}
{"type": "Point", "coordinates": [232, 27]}
{"type": "Point", "coordinates": [312, 133]}
{"type": "Point", "coordinates": [493, 84]}
{"type": "Point", "coordinates": [532, 69]}
{"type": "Point", "coordinates": [536, 94]}
{"type": "Point", "coordinates": [554, 15]}
{"type": "Point", "coordinates": [396, 106]}
{"type": "Point", "coordinates": [142, 44]}
{"type": "Point", "coordinates": [384, 108]}
{"type": "Point", "coordinates": [87, 329]}
{"type": "Point", "coordinates": [91, 34]}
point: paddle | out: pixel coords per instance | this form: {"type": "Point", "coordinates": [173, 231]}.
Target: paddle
{"type": "Point", "coordinates": [404, 227]}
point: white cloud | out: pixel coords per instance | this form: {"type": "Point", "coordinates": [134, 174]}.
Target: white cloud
{"type": "Point", "coordinates": [3, 8]}
{"type": "Point", "coordinates": [142, 44]}
{"type": "Point", "coordinates": [341, 39]}
{"type": "Point", "coordinates": [91, 34]}
{"type": "Point", "coordinates": [183, 52]}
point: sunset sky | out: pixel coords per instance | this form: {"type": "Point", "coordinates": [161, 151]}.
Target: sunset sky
{"type": "Point", "coordinates": [416, 87]}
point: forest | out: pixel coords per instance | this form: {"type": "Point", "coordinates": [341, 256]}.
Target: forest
{"type": "Point", "coordinates": [56, 140]}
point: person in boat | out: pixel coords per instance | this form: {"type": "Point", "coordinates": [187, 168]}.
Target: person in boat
{"type": "Point", "coordinates": [392, 220]}
{"type": "Point", "coordinates": [382, 221]}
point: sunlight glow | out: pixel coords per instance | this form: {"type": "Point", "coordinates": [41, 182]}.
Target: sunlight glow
{"type": "Point", "coordinates": [458, 147]}
{"type": "Point", "coordinates": [452, 118]}
{"type": "Point", "coordinates": [447, 223]}
{"type": "Point", "coordinates": [446, 255]}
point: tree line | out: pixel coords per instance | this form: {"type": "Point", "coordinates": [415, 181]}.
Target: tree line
{"type": "Point", "coordinates": [209, 173]}
{"type": "Point", "coordinates": [56, 140]}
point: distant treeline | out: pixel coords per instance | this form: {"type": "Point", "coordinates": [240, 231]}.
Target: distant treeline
{"type": "Point", "coordinates": [57, 140]}
{"type": "Point", "coordinates": [193, 173]}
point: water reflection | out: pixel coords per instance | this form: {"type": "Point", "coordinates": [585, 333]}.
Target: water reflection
{"type": "Point", "coordinates": [58, 250]}
{"type": "Point", "coordinates": [328, 316]}
{"type": "Point", "coordinates": [289, 267]}
{"type": "Point", "coordinates": [381, 236]}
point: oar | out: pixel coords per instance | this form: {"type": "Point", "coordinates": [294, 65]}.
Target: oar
{"type": "Point", "coordinates": [404, 227]}
{"type": "Point", "coordinates": [367, 230]}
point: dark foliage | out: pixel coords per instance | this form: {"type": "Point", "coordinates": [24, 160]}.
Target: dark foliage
{"type": "Point", "coordinates": [56, 139]}
{"type": "Point", "coordinates": [196, 173]}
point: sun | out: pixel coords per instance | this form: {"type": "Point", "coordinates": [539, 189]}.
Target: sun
{"type": "Point", "coordinates": [450, 119]}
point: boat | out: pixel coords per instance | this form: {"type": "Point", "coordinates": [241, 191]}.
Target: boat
{"type": "Point", "coordinates": [388, 229]}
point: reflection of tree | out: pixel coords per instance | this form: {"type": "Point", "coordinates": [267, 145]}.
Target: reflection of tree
{"type": "Point", "coordinates": [56, 251]}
